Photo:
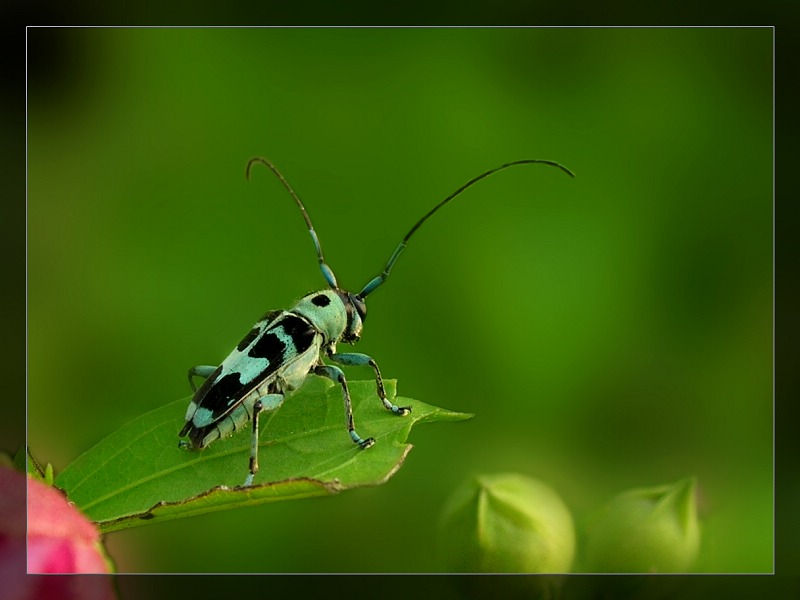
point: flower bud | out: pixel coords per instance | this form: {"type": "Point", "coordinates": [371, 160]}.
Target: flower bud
{"type": "Point", "coordinates": [648, 530]}
{"type": "Point", "coordinates": [57, 539]}
{"type": "Point", "coordinates": [506, 523]}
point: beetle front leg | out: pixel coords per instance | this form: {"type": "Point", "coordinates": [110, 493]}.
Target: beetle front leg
{"type": "Point", "coordinates": [355, 359]}
{"type": "Point", "coordinates": [335, 374]}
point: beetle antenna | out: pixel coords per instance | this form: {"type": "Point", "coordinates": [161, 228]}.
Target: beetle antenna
{"type": "Point", "coordinates": [380, 279]}
{"type": "Point", "coordinates": [323, 266]}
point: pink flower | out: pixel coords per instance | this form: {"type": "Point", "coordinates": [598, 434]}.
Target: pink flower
{"type": "Point", "coordinates": [59, 540]}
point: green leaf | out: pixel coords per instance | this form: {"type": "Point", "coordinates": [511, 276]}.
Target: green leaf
{"type": "Point", "coordinates": [139, 475]}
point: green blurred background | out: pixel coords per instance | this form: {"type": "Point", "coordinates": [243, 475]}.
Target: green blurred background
{"type": "Point", "coordinates": [609, 332]}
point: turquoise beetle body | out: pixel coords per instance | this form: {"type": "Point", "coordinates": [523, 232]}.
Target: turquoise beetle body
{"type": "Point", "coordinates": [284, 347]}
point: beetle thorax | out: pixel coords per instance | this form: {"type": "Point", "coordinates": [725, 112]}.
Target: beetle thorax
{"type": "Point", "coordinates": [326, 311]}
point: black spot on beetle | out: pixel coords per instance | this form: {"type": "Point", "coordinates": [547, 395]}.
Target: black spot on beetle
{"type": "Point", "coordinates": [219, 395]}
{"type": "Point", "coordinates": [269, 347]}
{"type": "Point", "coordinates": [216, 398]}
{"type": "Point", "coordinates": [273, 348]}
{"type": "Point", "coordinates": [300, 330]}
{"type": "Point", "coordinates": [320, 300]}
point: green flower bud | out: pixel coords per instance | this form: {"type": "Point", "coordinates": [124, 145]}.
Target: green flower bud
{"type": "Point", "coordinates": [506, 523]}
{"type": "Point", "coordinates": [649, 530]}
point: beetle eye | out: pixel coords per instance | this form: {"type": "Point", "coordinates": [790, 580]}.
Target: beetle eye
{"type": "Point", "coordinates": [361, 307]}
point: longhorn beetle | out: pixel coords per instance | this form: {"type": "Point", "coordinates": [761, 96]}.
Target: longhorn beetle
{"type": "Point", "coordinates": [285, 346]}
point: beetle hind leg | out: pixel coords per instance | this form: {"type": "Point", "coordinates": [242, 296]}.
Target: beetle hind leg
{"type": "Point", "coordinates": [261, 404]}
{"type": "Point", "coordinates": [204, 371]}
